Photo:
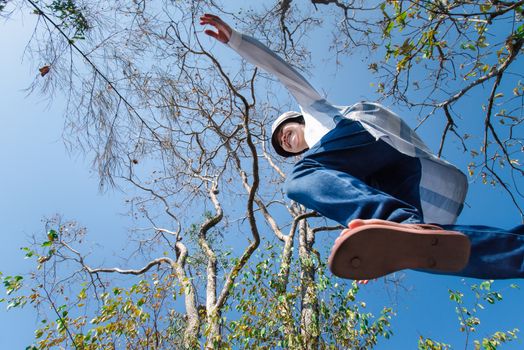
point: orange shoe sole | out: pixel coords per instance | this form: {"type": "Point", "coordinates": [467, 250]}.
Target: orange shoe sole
{"type": "Point", "coordinates": [375, 250]}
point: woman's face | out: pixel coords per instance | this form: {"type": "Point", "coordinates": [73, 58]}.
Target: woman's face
{"type": "Point", "coordinates": [291, 137]}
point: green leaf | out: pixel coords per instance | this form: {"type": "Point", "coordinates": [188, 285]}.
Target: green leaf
{"type": "Point", "coordinates": [29, 253]}
{"type": "Point", "coordinates": [401, 19]}
{"type": "Point", "coordinates": [387, 30]}
{"type": "Point", "coordinates": [486, 285]}
{"type": "Point", "coordinates": [519, 33]}
{"type": "Point", "coordinates": [39, 333]}
{"type": "Point", "coordinates": [468, 46]}
{"type": "Point", "coordinates": [52, 235]}
{"type": "Point", "coordinates": [485, 7]}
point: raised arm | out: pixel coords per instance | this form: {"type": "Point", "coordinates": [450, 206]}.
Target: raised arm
{"type": "Point", "coordinates": [258, 54]}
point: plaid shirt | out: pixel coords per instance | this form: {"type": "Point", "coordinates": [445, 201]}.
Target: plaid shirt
{"type": "Point", "coordinates": [442, 188]}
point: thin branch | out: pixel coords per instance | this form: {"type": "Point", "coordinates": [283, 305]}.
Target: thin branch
{"type": "Point", "coordinates": [53, 306]}
{"type": "Point", "coordinates": [95, 68]}
{"type": "Point", "coordinates": [513, 50]}
{"type": "Point", "coordinates": [147, 267]}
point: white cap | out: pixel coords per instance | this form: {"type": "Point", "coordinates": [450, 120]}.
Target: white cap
{"type": "Point", "coordinates": [274, 130]}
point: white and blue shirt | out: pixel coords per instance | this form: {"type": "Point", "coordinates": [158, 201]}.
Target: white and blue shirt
{"type": "Point", "coordinates": [443, 187]}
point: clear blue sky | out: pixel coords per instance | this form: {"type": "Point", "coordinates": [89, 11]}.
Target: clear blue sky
{"type": "Point", "coordinates": [39, 178]}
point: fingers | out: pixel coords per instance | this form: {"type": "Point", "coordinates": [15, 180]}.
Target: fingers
{"type": "Point", "coordinates": [209, 15]}
{"type": "Point", "coordinates": [211, 19]}
{"type": "Point", "coordinates": [211, 33]}
{"type": "Point", "coordinates": [220, 36]}
{"type": "Point", "coordinates": [223, 33]}
{"type": "Point", "coordinates": [364, 282]}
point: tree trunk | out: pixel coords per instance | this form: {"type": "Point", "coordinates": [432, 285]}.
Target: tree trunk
{"type": "Point", "coordinates": [193, 320]}
{"type": "Point", "coordinates": [309, 323]}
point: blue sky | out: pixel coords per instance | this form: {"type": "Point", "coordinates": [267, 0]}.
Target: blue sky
{"type": "Point", "coordinates": [39, 178]}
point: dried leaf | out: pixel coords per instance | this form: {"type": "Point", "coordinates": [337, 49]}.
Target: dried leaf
{"type": "Point", "coordinates": [44, 70]}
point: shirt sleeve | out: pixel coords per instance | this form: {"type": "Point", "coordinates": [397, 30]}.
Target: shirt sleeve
{"type": "Point", "coordinates": [261, 56]}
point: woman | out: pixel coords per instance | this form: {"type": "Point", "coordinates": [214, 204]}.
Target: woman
{"type": "Point", "coordinates": [363, 167]}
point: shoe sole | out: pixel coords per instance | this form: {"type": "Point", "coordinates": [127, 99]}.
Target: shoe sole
{"type": "Point", "coordinates": [372, 251]}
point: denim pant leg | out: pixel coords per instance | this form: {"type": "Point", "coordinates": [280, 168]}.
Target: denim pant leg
{"type": "Point", "coordinates": [495, 253]}
{"type": "Point", "coordinates": [349, 175]}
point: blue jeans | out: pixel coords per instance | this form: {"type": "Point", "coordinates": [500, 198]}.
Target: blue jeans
{"type": "Point", "coordinates": [350, 175]}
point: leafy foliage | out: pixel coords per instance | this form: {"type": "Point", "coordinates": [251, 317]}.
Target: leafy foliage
{"type": "Point", "coordinates": [100, 314]}
{"type": "Point", "coordinates": [469, 318]}
{"type": "Point", "coordinates": [71, 16]}
{"type": "Point", "coordinates": [459, 46]}
{"type": "Point", "coordinates": [270, 315]}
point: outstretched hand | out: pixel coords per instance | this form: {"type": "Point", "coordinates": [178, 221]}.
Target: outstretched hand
{"type": "Point", "coordinates": [223, 33]}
